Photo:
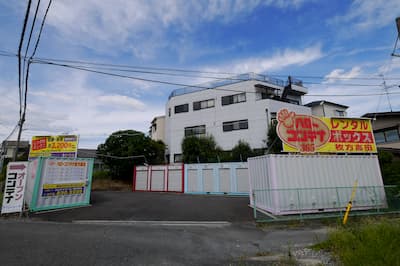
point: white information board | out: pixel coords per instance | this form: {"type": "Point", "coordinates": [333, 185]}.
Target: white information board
{"type": "Point", "coordinates": [13, 198]}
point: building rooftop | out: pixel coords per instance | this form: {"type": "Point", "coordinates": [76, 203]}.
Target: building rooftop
{"type": "Point", "coordinates": [315, 103]}
{"type": "Point", "coordinates": [381, 114]}
{"type": "Point", "coordinates": [231, 80]}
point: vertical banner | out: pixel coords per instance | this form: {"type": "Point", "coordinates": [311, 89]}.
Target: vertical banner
{"type": "Point", "coordinates": [13, 199]}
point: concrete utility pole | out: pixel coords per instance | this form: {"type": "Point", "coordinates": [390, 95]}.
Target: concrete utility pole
{"type": "Point", "coordinates": [397, 39]}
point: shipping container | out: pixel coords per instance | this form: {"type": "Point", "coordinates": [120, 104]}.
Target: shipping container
{"type": "Point", "coordinates": [290, 184]}
{"type": "Point", "coordinates": [158, 178]}
{"type": "Point", "coordinates": [217, 178]}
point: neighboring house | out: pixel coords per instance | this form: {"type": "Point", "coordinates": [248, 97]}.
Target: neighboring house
{"type": "Point", "coordinates": [327, 109]}
{"type": "Point", "coordinates": [8, 148]}
{"type": "Point", "coordinates": [239, 108]}
{"type": "Point", "coordinates": [91, 153]}
{"type": "Point", "coordinates": [386, 126]}
{"type": "Point", "coordinates": [157, 128]}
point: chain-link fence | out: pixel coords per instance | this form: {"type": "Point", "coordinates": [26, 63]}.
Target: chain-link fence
{"type": "Point", "coordinates": [271, 205]}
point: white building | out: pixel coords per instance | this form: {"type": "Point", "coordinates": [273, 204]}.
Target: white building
{"type": "Point", "coordinates": [157, 128]}
{"type": "Point", "coordinates": [327, 109]}
{"type": "Point", "coordinates": [240, 108]}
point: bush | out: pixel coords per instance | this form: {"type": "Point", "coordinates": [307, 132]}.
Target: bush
{"type": "Point", "coordinates": [101, 174]}
{"type": "Point", "coordinates": [369, 243]}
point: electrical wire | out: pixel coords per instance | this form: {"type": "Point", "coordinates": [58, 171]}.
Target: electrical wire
{"type": "Point", "coordinates": [19, 54]}
{"type": "Point", "coordinates": [122, 76]}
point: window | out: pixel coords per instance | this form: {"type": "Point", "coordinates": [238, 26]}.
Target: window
{"type": "Point", "coordinates": [169, 111]}
{"type": "Point", "coordinates": [265, 92]}
{"type": "Point", "coordinates": [235, 125]}
{"type": "Point", "coordinates": [183, 108]}
{"type": "Point", "coordinates": [339, 113]}
{"type": "Point", "coordinates": [231, 99]}
{"type": "Point", "coordinates": [178, 158]}
{"type": "Point", "coordinates": [203, 104]}
{"type": "Point", "coordinates": [388, 135]}
{"type": "Point", "coordinates": [195, 131]}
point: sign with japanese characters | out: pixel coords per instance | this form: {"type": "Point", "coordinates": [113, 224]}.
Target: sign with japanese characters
{"type": "Point", "coordinates": [64, 177]}
{"type": "Point", "coordinates": [54, 146]}
{"type": "Point", "coordinates": [13, 198]}
{"type": "Point", "coordinates": [310, 134]}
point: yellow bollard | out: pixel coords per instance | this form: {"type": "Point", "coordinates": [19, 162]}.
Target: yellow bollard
{"type": "Point", "coordinates": [350, 204]}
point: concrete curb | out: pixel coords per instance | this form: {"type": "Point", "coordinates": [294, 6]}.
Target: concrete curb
{"type": "Point", "coordinates": [213, 224]}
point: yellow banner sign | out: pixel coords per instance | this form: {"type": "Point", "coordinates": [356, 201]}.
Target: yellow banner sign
{"type": "Point", "coordinates": [54, 146]}
{"type": "Point", "coordinates": [310, 134]}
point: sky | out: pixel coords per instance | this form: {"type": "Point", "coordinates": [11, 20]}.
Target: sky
{"type": "Point", "coordinates": [335, 47]}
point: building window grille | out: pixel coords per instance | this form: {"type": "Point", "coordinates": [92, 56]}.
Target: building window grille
{"type": "Point", "coordinates": [195, 131]}
{"type": "Point", "coordinates": [235, 125]}
{"type": "Point", "coordinates": [203, 104]}
{"type": "Point", "coordinates": [183, 108]}
{"type": "Point", "coordinates": [388, 135]}
{"type": "Point", "coordinates": [339, 113]}
{"type": "Point", "coordinates": [231, 99]}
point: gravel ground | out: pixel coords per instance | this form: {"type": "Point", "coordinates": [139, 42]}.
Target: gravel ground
{"type": "Point", "coordinates": [308, 255]}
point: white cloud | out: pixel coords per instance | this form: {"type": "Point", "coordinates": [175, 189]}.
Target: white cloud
{"type": "Point", "coordinates": [119, 101]}
{"type": "Point", "coordinates": [279, 60]}
{"type": "Point", "coordinates": [366, 15]}
{"type": "Point", "coordinates": [340, 74]}
{"type": "Point", "coordinates": [141, 27]}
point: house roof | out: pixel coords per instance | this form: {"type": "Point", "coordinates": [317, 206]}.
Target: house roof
{"type": "Point", "coordinates": [381, 114]}
{"type": "Point", "coordinates": [315, 103]}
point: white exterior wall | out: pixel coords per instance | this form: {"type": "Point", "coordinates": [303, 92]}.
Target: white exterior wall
{"type": "Point", "coordinates": [284, 184]}
{"type": "Point", "coordinates": [327, 110]}
{"type": "Point", "coordinates": [158, 132]}
{"type": "Point", "coordinates": [253, 110]}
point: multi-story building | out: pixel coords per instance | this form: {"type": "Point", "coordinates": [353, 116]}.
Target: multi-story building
{"type": "Point", "coordinates": [327, 109]}
{"type": "Point", "coordinates": [239, 108]}
{"type": "Point", "coordinates": [157, 128]}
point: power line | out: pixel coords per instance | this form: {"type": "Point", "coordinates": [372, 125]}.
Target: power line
{"type": "Point", "coordinates": [22, 116]}
{"type": "Point", "coordinates": [21, 41]}
{"type": "Point", "coordinates": [121, 76]}
{"type": "Point", "coordinates": [200, 86]}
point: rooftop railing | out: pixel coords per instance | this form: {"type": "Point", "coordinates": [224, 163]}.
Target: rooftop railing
{"type": "Point", "coordinates": [227, 81]}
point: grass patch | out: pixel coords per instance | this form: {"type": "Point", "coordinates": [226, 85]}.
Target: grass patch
{"type": "Point", "coordinates": [369, 242]}
{"type": "Point", "coordinates": [110, 184]}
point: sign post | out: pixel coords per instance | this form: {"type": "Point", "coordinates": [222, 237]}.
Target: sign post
{"type": "Point", "coordinates": [13, 199]}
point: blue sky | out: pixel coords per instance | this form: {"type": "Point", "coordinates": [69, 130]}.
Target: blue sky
{"type": "Point", "coordinates": [330, 45]}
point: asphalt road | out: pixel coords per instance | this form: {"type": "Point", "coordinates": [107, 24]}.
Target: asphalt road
{"type": "Point", "coordinates": [30, 242]}
{"type": "Point", "coordinates": [152, 206]}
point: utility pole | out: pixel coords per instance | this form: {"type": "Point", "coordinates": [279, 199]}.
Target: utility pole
{"type": "Point", "coordinates": [397, 39]}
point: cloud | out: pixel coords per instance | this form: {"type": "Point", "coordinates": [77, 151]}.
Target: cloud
{"type": "Point", "coordinates": [144, 27]}
{"type": "Point", "coordinates": [367, 15]}
{"type": "Point", "coordinates": [279, 60]}
{"type": "Point", "coordinates": [340, 74]}
{"type": "Point", "coordinates": [119, 101]}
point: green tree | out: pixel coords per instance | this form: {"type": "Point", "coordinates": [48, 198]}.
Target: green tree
{"type": "Point", "coordinates": [124, 149]}
{"type": "Point", "coordinates": [242, 151]}
{"type": "Point", "coordinates": [201, 149]}
{"type": "Point", "coordinates": [390, 168]}
{"type": "Point", "coordinates": [273, 142]}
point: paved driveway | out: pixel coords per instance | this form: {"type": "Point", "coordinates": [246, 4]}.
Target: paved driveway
{"type": "Point", "coordinates": [152, 206]}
